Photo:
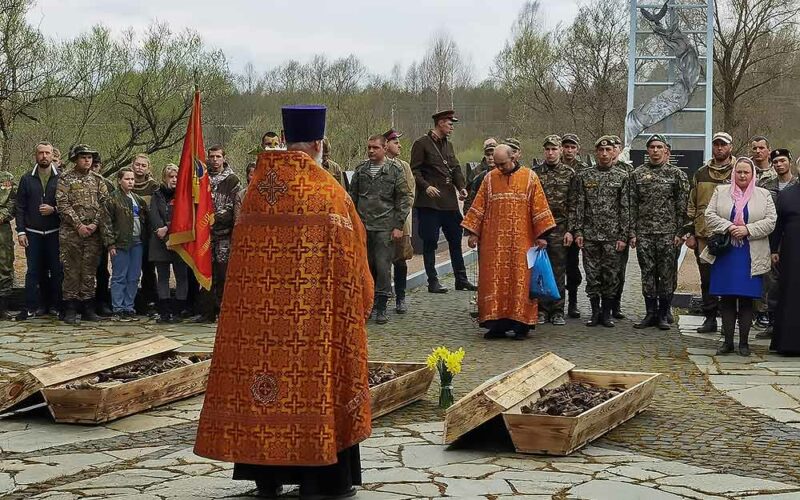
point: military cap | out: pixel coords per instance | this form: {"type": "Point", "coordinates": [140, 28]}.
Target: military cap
{"type": "Point", "coordinates": [553, 139]}
{"type": "Point", "coordinates": [392, 134]}
{"type": "Point", "coordinates": [570, 137]}
{"type": "Point", "coordinates": [605, 140]}
{"type": "Point", "coordinates": [722, 136]}
{"type": "Point", "coordinates": [489, 143]}
{"type": "Point", "coordinates": [81, 149]}
{"type": "Point", "coordinates": [513, 143]}
{"type": "Point", "coordinates": [447, 114]}
{"type": "Point", "coordinates": [617, 140]}
{"type": "Point", "coordinates": [660, 138]}
{"type": "Point", "coordinates": [780, 152]}
{"type": "Point", "coordinates": [304, 123]}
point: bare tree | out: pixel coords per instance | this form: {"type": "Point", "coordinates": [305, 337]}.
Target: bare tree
{"type": "Point", "coordinates": [444, 69]}
{"type": "Point", "coordinates": [753, 40]}
{"type": "Point", "coordinates": [345, 75]}
{"type": "Point", "coordinates": [31, 73]}
{"type": "Point", "coordinates": [317, 74]}
{"type": "Point", "coordinates": [288, 77]}
{"type": "Point", "coordinates": [249, 81]}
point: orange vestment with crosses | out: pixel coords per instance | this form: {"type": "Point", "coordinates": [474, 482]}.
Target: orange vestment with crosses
{"type": "Point", "coordinates": [289, 377]}
{"type": "Point", "coordinates": [509, 213]}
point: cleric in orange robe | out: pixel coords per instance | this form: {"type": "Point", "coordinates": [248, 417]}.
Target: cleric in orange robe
{"type": "Point", "coordinates": [288, 393]}
{"type": "Point", "coordinates": [510, 214]}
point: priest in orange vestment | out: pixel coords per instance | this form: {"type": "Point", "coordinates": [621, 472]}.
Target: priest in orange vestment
{"type": "Point", "coordinates": [510, 214]}
{"type": "Point", "coordinates": [288, 394]}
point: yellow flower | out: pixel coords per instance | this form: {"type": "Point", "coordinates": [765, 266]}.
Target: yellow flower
{"type": "Point", "coordinates": [439, 354]}
{"type": "Point", "coordinates": [453, 361]}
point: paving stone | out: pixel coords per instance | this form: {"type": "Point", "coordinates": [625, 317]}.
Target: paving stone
{"type": "Point", "coordinates": [412, 489]}
{"type": "Point", "coordinates": [465, 470]}
{"type": "Point", "coordinates": [6, 483]}
{"type": "Point", "coordinates": [598, 451]}
{"type": "Point", "coordinates": [395, 475]}
{"type": "Point", "coordinates": [426, 456]}
{"type": "Point", "coordinates": [776, 496]}
{"type": "Point", "coordinates": [636, 473]}
{"type": "Point", "coordinates": [474, 487]}
{"type": "Point", "coordinates": [142, 422]}
{"type": "Point", "coordinates": [519, 463]}
{"type": "Point", "coordinates": [128, 454]}
{"type": "Point", "coordinates": [38, 437]}
{"type": "Point", "coordinates": [539, 487]}
{"type": "Point", "coordinates": [615, 490]}
{"type": "Point", "coordinates": [54, 466]}
{"type": "Point", "coordinates": [686, 492]}
{"type": "Point", "coordinates": [379, 495]}
{"type": "Point", "coordinates": [391, 441]}
{"type": "Point", "coordinates": [201, 487]}
{"type": "Point", "coordinates": [580, 468]}
{"type": "Point", "coordinates": [542, 476]}
{"type": "Point", "coordinates": [763, 396]}
{"type": "Point", "coordinates": [435, 427]}
{"type": "Point", "coordinates": [724, 483]}
{"type": "Point", "coordinates": [753, 380]}
{"type": "Point", "coordinates": [780, 415]}
{"type": "Point", "coordinates": [129, 477]}
{"type": "Point", "coordinates": [194, 469]}
{"type": "Point", "coordinates": [673, 468]}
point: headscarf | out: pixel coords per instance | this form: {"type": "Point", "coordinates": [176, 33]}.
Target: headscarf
{"type": "Point", "coordinates": [740, 198]}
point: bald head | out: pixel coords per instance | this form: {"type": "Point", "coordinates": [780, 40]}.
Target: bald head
{"type": "Point", "coordinates": [502, 158]}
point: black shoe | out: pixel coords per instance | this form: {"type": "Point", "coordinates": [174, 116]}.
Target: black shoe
{"type": "Point", "coordinates": [709, 325]}
{"type": "Point", "coordinates": [650, 318]}
{"type": "Point", "coordinates": [89, 313]}
{"type": "Point", "coordinates": [557, 319]}
{"type": "Point", "coordinates": [670, 317]}
{"type": "Point", "coordinates": [268, 489]}
{"type": "Point", "coordinates": [725, 348]}
{"type": "Point", "coordinates": [474, 314]}
{"type": "Point", "coordinates": [744, 350]}
{"type": "Point", "coordinates": [71, 313]}
{"type": "Point", "coordinates": [664, 303]}
{"type": "Point", "coordinates": [436, 287]}
{"type": "Point", "coordinates": [103, 310]}
{"type": "Point", "coordinates": [400, 306]}
{"type": "Point", "coordinates": [594, 320]}
{"type": "Point", "coordinates": [465, 285]}
{"type": "Point", "coordinates": [572, 308]}
{"type": "Point", "coordinates": [381, 318]}
{"type": "Point", "coordinates": [494, 334]}
{"type": "Point", "coordinates": [616, 313]}
{"type": "Point", "coordinates": [606, 318]}
{"type": "Point", "coordinates": [24, 315]}
{"type": "Point", "coordinates": [42, 311]}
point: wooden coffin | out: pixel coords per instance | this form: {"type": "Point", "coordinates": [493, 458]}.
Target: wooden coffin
{"type": "Point", "coordinates": [99, 404]}
{"type": "Point", "coordinates": [556, 435]}
{"type": "Point", "coordinates": [28, 384]}
{"type": "Point", "coordinates": [500, 393]}
{"type": "Point", "coordinates": [412, 383]}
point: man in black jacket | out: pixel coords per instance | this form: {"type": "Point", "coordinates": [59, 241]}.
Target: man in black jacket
{"type": "Point", "coordinates": [37, 231]}
{"type": "Point", "coordinates": [440, 184]}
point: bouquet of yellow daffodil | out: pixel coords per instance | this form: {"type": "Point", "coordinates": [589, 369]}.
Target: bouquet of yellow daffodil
{"type": "Point", "coordinates": [447, 364]}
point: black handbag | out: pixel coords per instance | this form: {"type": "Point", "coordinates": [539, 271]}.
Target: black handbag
{"type": "Point", "coordinates": [719, 243]}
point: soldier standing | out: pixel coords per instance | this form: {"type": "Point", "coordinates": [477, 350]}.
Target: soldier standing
{"type": "Point", "coordinates": [382, 199]}
{"type": "Point", "coordinates": [144, 186]}
{"type": "Point", "coordinates": [626, 167]}
{"type": "Point", "coordinates": [570, 150]}
{"type": "Point", "coordinates": [601, 228]}
{"type": "Point", "coordinates": [715, 172]}
{"type": "Point", "coordinates": [8, 200]}
{"type": "Point", "coordinates": [559, 183]}
{"type": "Point", "coordinates": [759, 147]}
{"type": "Point", "coordinates": [440, 184]}
{"type": "Point", "coordinates": [475, 176]}
{"type": "Point", "coordinates": [80, 197]}
{"type": "Point", "coordinates": [331, 166]}
{"type": "Point", "coordinates": [403, 249]}
{"type": "Point", "coordinates": [659, 194]}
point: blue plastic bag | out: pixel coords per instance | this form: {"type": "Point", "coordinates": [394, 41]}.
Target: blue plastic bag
{"type": "Point", "coordinates": [543, 281]}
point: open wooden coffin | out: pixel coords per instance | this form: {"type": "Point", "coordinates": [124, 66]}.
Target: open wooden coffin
{"type": "Point", "coordinates": [412, 383]}
{"type": "Point", "coordinates": [507, 393]}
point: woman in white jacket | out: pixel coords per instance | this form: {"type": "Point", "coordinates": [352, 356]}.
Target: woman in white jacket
{"type": "Point", "coordinates": [747, 213]}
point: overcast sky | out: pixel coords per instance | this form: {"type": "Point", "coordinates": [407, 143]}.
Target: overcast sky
{"type": "Point", "coordinates": [267, 32]}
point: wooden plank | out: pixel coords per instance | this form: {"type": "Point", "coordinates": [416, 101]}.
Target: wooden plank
{"type": "Point", "coordinates": [557, 435]}
{"type": "Point", "coordinates": [29, 383]}
{"type": "Point", "coordinates": [501, 393]}
{"type": "Point", "coordinates": [405, 389]}
{"type": "Point", "coordinates": [94, 406]}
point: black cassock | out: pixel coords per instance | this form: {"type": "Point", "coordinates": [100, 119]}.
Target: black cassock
{"type": "Point", "coordinates": [786, 240]}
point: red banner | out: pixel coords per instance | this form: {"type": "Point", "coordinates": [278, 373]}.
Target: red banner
{"type": "Point", "coordinates": [193, 213]}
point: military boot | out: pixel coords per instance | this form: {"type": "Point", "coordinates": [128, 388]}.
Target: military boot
{"type": "Point", "coordinates": [650, 318]}
{"type": "Point", "coordinates": [71, 312]}
{"type": "Point", "coordinates": [664, 304]}
{"type": "Point", "coordinates": [88, 313]}
{"type": "Point", "coordinates": [572, 308]}
{"type": "Point", "coordinates": [605, 315]}
{"type": "Point", "coordinates": [595, 319]}
{"type": "Point", "coordinates": [709, 325]}
{"type": "Point", "coordinates": [380, 310]}
{"type": "Point", "coordinates": [616, 306]}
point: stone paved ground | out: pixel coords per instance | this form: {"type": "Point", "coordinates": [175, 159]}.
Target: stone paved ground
{"type": "Point", "coordinates": [704, 441]}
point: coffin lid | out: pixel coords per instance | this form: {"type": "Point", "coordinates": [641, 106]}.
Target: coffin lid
{"type": "Point", "coordinates": [26, 384]}
{"type": "Point", "coordinates": [500, 393]}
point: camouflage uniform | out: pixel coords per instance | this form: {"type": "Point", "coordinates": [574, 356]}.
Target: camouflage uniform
{"type": "Point", "coordinates": [574, 277]}
{"type": "Point", "coordinates": [602, 219]}
{"type": "Point", "coordinates": [559, 184]}
{"type": "Point", "coordinates": [8, 200]}
{"type": "Point", "coordinates": [659, 195]}
{"type": "Point", "coordinates": [80, 198]}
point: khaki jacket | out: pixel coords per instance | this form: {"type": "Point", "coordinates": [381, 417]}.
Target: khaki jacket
{"type": "Point", "coordinates": [761, 222]}
{"type": "Point", "coordinates": [411, 185]}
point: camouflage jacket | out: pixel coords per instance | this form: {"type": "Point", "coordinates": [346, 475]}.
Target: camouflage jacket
{"type": "Point", "coordinates": [659, 194]}
{"type": "Point", "coordinates": [701, 189]}
{"type": "Point", "coordinates": [384, 201]}
{"type": "Point", "coordinates": [81, 198]}
{"type": "Point", "coordinates": [8, 197]}
{"type": "Point", "coordinates": [559, 183]}
{"type": "Point", "coordinates": [771, 185]}
{"type": "Point", "coordinates": [336, 171]}
{"type": "Point", "coordinates": [602, 205]}
{"type": "Point", "coordinates": [225, 187]}
{"type": "Point", "coordinates": [576, 164]}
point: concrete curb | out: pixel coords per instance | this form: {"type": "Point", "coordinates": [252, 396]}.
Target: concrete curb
{"type": "Point", "coordinates": [420, 279]}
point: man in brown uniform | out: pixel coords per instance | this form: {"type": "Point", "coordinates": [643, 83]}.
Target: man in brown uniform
{"type": "Point", "coordinates": [404, 251]}
{"type": "Point", "coordinates": [440, 184]}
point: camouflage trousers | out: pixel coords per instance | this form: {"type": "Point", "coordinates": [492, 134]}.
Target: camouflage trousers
{"type": "Point", "coordinates": [558, 255]}
{"type": "Point", "coordinates": [80, 258]}
{"type": "Point", "coordinates": [601, 266]}
{"type": "Point", "coordinates": [622, 269]}
{"type": "Point", "coordinates": [657, 256]}
{"type": "Point", "coordinates": [6, 260]}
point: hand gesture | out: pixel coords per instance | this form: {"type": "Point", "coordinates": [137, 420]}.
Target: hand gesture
{"type": "Point", "coordinates": [691, 242]}
{"type": "Point", "coordinates": [632, 242]}
{"type": "Point", "coordinates": [462, 194]}
{"type": "Point", "coordinates": [579, 241]}
{"type": "Point", "coordinates": [433, 192]}
{"type": "Point", "coordinates": [620, 246]}
{"type": "Point", "coordinates": [472, 241]}
{"type": "Point", "coordinates": [568, 239]}
{"type": "Point", "coordinates": [397, 234]}
{"type": "Point", "coordinates": [162, 232]}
